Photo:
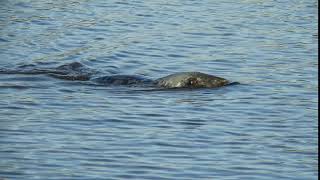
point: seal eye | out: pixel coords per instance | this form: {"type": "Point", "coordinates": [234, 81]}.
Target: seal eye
{"type": "Point", "coordinates": [192, 82]}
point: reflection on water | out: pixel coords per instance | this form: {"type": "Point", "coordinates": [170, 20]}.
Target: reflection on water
{"type": "Point", "coordinates": [264, 128]}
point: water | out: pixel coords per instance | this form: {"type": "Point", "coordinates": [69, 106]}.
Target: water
{"type": "Point", "coordinates": [265, 128]}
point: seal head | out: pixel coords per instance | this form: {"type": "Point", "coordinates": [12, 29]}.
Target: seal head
{"type": "Point", "coordinates": [191, 80]}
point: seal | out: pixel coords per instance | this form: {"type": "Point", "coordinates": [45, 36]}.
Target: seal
{"type": "Point", "coordinates": [191, 80]}
{"type": "Point", "coordinates": [78, 72]}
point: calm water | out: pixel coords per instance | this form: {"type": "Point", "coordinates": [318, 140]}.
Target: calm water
{"type": "Point", "coordinates": [265, 128]}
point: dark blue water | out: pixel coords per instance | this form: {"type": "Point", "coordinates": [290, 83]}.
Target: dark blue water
{"type": "Point", "coordinates": [265, 128]}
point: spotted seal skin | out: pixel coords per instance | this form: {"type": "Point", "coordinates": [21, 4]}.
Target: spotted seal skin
{"type": "Point", "coordinates": [191, 80]}
{"type": "Point", "coordinates": [131, 80]}
{"type": "Point", "coordinates": [78, 72]}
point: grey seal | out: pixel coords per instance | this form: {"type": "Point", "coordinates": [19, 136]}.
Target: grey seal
{"type": "Point", "coordinates": [191, 80]}
{"type": "Point", "coordinates": [78, 72]}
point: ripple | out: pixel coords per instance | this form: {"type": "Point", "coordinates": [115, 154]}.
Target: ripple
{"type": "Point", "coordinates": [13, 86]}
{"type": "Point", "coordinates": [3, 40]}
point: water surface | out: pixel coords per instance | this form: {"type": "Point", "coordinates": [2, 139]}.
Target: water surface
{"type": "Point", "coordinates": [265, 128]}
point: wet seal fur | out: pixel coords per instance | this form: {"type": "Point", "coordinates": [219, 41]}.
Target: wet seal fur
{"type": "Point", "coordinates": [191, 80]}
{"type": "Point", "coordinates": [78, 72]}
